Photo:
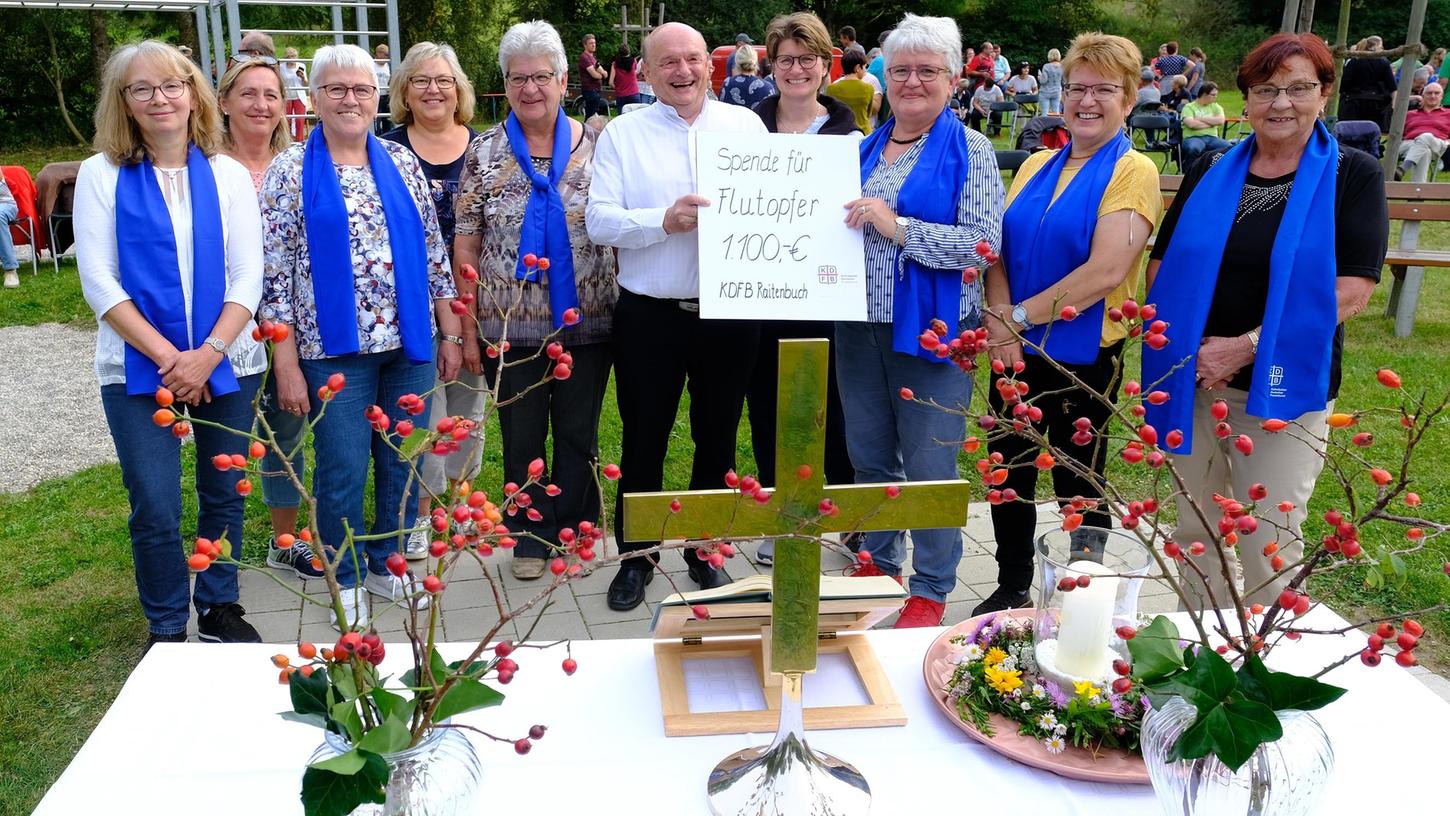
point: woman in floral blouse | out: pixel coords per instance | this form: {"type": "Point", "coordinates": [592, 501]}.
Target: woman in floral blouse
{"type": "Point", "coordinates": [356, 266]}
{"type": "Point", "coordinates": [500, 219]}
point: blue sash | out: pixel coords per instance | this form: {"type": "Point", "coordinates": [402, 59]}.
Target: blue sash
{"type": "Point", "coordinates": [930, 193]}
{"type": "Point", "coordinates": [151, 272]}
{"type": "Point", "coordinates": [1291, 369]}
{"type": "Point", "coordinates": [1043, 240]}
{"type": "Point", "coordinates": [544, 230]}
{"type": "Point", "coordinates": [328, 242]}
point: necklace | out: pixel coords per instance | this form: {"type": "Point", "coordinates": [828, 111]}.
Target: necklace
{"type": "Point", "coordinates": [913, 140]}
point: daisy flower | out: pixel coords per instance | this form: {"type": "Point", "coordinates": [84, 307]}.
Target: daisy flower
{"type": "Point", "coordinates": [1055, 745]}
{"type": "Point", "coordinates": [1038, 692]}
{"type": "Point", "coordinates": [1047, 721]}
{"type": "Point", "coordinates": [972, 652]}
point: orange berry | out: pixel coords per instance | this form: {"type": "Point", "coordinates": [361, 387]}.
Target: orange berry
{"type": "Point", "coordinates": [163, 417]}
{"type": "Point", "coordinates": [280, 661]}
{"type": "Point", "coordinates": [164, 397]}
{"type": "Point", "coordinates": [198, 562]}
{"type": "Point", "coordinates": [306, 650]}
{"type": "Point", "coordinates": [285, 541]}
{"type": "Point", "coordinates": [1341, 420]}
{"type": "Point", "coordinates": [305, 534]}
{"type": "Point", "coordinates": [258, 450]}
{"type": "Point", "coordinates": [284, 677]}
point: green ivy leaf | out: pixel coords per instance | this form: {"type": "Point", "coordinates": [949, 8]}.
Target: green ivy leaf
{"type": "Point", "coordinates": [1397, 564]}
{"type": "Point", "coordinates": [1205, 684]}
{"type": "Point", "coordinates": [309, 694]}
{"type": "Point", "coordinates": [1230, 731]}
{"type": "Point", "coordinates": [345, 715]}
{"type": "Point", "coordinates": [1155, 651]}
{"type": "Point", "coordinates": [466, 694]}
{"type": "Point", "coordinates": [1281, 690]}
{"type": "Point", "coordinates": [307, 719]}
{"type": "Point", "coordinates": [435, 665]}
{"type": "Point", "coordinates": [385, 738]}
{"type": "Point", "coordinates": [415, 443]}
{"type": "Point", "coordinates": [345, 684]}
{"type": "Point", "coordinates": [476, 670]}
{"type": "Point", "coordinates": [328, 792]}
{"type": "Point", "coordinates": [389, 703]}
{"type": "Point", "coordinates": [348, 763]}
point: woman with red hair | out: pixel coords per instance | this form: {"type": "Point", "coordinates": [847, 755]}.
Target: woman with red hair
{"type": "Point", "coordinates": [1284, 236]}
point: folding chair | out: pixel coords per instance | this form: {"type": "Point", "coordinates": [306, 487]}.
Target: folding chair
{"type": "Point", "coordinates": [22, 188]}
{"type": "Point", "coordinates": [60, 215]}
{"type": "Point", "coordinates": [1011, 160]}
{"type": "Point", "coordinates": [1007, 106]}
{"type": "Point", "coordinates": [1150, 124]}
{"type": "Point", "coordinates": [1028, 105]}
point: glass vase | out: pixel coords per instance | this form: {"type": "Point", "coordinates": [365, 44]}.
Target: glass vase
{"type": "Point", "coordinates": [1075, 635]}
{"type": "Point", "coordinates": [1283, 778]}
{"type": "Point", "coordinates": [439, 776]}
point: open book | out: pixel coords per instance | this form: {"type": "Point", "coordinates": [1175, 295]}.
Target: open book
{"type": "Point", "coordinates": [756, 589]}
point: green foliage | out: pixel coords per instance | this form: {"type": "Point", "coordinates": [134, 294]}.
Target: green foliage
{"type": "Point", "coordinates": [1026, 29]}
{"type": "Point", "coordinates": [328, 792]}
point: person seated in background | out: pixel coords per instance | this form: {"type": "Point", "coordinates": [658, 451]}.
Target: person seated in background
{"type": "Point", "coordinates": [9, 211]}
{"type": "Point", "coordinates": [1177, 94]}
{"type": "Point", "coordinates": [746, 88]}
{"type": "Point", "coordinates": [1022, 82]}
{"type": "Point", "coordinates": [982, 106]}
{"type": "Point", "coordinates": [1201, 120]}
{"type": "Point", "coordinates": [1148, 92]}
{"type": "Point", "coordinates": [1427, 134]}
{"type": "Point", "coordinates": [852, 89]}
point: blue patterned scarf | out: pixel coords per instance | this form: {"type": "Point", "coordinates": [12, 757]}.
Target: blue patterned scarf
{"type": "Point", "coordinates": [544, 231]}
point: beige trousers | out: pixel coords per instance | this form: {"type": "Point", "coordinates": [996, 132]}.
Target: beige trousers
{"type": "Point", "coordinates": [1419, 154]}
{"type": "Point", "coordinates": [1287, 463]}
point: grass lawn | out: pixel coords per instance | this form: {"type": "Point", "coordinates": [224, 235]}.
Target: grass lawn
{"type": "Point", "coordinates": [75, 630]}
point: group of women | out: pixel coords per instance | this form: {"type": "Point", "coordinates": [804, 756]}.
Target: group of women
{"type": "Point", "coordinates": [357, 244]}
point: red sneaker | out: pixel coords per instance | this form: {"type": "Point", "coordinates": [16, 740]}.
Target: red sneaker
{"type": "Point", "coordinates": [866, 570]}
{"type": "Point", "coordinates": [920, 612]}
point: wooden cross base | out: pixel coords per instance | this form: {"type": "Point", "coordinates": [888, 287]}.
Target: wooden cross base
{"type": "Point", "coordinates": [842, 632]}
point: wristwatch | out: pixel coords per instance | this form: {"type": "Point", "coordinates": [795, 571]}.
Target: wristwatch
{"type": "Point", "coordinates": [216, 344]}
{"type": "Point", "coordinates": [1254, 342]}
{"type": "Point", "coordinates": [451, 338]}
{"type": "Point", "coordinates": [899, 237]}
{"type": "Point", "coordinates": [1019, 316]}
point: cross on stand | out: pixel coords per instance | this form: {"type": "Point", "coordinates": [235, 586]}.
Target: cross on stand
{"type": "Point", "coordinates": [794, 509]}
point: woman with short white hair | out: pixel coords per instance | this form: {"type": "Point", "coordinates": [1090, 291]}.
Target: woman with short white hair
{"type": "Point", "coordinates": [432, 102]}
{"type": "Point", "coordinates": [930, 194]}
{"type": "Point", "coordinates": [523, 190]}
{"type": "Point", "coordinates": [357, 267]}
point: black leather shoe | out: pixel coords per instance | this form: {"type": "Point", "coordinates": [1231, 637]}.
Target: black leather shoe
{"type": "Point", "coordinates": [1004, 598]}
{"type": "Point", "coordinates": [706, 577]}
{"type": "Point", "coordinates": [626, 591]}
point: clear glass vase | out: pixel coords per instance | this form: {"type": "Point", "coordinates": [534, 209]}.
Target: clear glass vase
{"type": "Point", "coordinates": [1075, 635]}
{"type": "Point", "coordinates": [439, 776]}
{"type": "Point", "coordinates": [1283, 778]}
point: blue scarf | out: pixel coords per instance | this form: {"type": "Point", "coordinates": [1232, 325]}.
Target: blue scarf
{"type": "Point", "coordinates": [1291, 369]}
{"type": "Point", "coordinates": [930, 193]}
{"type": "Point", "coordinates": [151, 272]}
{"type": "Point", "coordinates": [333, 286]}
{"type": "Point", "coordinates": [1043, 240]}
{"type": "Point", "coordinates": [544, 231]}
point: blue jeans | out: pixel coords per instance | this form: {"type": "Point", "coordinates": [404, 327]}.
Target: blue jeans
{"type": "Point", "coordinates": [8, 213]}
{"type": "Point", "coordinates": [150, 458]}
{"type": "Point", "coordinates": [1195, 146]}
{"type": "Point", "coordinates": [344, 443]}
{"type": "Point", "coordinates": [892, 440]}
{"type": "Point", "coordinates": [278, 491]}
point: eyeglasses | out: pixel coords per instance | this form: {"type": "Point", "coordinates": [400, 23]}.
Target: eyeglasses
{"type": "Point", "coordinates": [170, 89]}
{"type": "Point", "coordinates": [1266, 94]}
{"type": "Point", "coordinates": [421, 83]}
{"type": "Point", "coordinates": [541, 79]}
{"type": "Point", "coordinates": [806, 61]}
{"type": "Point", "coordinates": [253, 56]}
{"type": "Point", "coordinates": [360, 92]}
{"type": "Point", "coordinates": [1102, 91]}
{"type": "Point", "coordinates": [925, 73]}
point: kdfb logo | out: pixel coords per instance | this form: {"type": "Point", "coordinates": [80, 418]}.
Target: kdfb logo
{"type": "Point", "coordinates": [826, 274]}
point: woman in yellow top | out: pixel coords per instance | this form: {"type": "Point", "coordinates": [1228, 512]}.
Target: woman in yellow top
{"type": "Point", "coordinates": [1076, 224]}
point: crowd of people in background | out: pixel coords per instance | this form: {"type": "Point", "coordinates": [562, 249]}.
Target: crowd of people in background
{"type": "Point", "coordinates": [399, 263]}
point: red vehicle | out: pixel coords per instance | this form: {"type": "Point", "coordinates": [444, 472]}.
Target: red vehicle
{"type": "Point", "coordinates": [720, 57]}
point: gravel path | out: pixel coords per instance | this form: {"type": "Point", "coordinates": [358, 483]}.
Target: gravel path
{"type": "Point", "coordinates": [54, 425]}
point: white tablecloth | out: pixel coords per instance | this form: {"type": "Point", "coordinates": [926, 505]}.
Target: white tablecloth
{"type": "Point", "coordinates": [195, 730]}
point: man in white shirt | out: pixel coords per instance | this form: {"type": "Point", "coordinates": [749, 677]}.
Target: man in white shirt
{"type": "Point", "coordinates": [643, 201]}
{"type": "Point", "coordinates": [383, 70]}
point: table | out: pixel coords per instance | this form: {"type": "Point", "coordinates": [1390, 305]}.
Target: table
{"type": "Point", "coordinates": [173, 744]}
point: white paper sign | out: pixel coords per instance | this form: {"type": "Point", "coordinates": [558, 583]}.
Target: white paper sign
{"type": "Point", "coordinates": [774, 244]}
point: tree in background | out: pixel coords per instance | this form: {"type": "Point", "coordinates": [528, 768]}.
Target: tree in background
{"type": "Point", "coordinates": [1026, 29]}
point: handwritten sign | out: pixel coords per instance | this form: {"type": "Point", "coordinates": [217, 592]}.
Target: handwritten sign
{"type": "Point", "coordinates": [774, 244]}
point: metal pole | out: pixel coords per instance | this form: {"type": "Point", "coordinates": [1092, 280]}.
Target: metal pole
{"type": "Point", "coordinates": [1341, 34]}
{"type": "Point", "coordinates": [203, 45]}
{"type": "Point", "coordinates": [217, 38]}
{"type": "Point", "coordinates": [363, 40]}
{"type": "Point", "coordinates": [1408, 64]}
{"type": "Point", "coordinates": [337, 39]}
{"type": "Point", "coordinates": [234, 24]}
{"type": "Point", "coordinates": [395, 45]}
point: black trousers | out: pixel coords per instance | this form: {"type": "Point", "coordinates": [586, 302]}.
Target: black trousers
{"type": "Point", "coordinates": [569, 409]}
{"type": "Point", "coordinates": [1014, 524]}
{"type": "Point", "coordinates": [659, 346]}
{"type": "Point", "coordinates": [761, 397]}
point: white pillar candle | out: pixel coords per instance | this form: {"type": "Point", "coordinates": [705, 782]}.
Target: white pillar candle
{"type": "Point", "coordinates": [1087, 622]}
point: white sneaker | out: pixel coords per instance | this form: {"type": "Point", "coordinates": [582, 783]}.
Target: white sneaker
{"type": "Point", "coordinates": [12, 279]}
{"type": "Point", "coordinates": [391, 588]}
{"type": "Point", "coordinates": [354, 609]}
{"type": "Point", "coordinates": [765, 553]}
{"type": "Point", "coordinates": [416, 547]}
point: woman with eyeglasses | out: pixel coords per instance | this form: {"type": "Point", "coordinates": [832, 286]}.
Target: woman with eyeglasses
{"type": "Point", "coordinates": [523, 192]}
{"type": "Point", "coordinates": [930, 194]}
{"type": "Point", "coordinates": [799, 46]}
{"type": "Point", "coordinates": [168, 244]}
{"type": "Point", "coordinates": [356, 265]}
{"type": "Point", "coordinates": [1076, 224]}
{"type": "Point", "coordinates": [432, 100]}
{"type": "Point", "coordinates": [1269, 247]}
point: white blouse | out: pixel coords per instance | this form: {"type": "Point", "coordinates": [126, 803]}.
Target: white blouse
{"type": "Point", "coordinates": [100, 273]}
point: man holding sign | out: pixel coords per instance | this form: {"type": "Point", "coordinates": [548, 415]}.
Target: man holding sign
{"type": "Point", "coordinates": [643, 202]}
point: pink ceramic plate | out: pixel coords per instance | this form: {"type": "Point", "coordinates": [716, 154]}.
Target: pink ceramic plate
{"type": "Point", "coordinates": [1116, 766]}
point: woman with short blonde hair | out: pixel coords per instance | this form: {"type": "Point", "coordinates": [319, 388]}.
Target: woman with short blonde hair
{"type": "Point", "coordinates": [168, 245]}
{"type": "Point", "coordinates": [1113, 57]}
{"type": "Point", "coordinates": [1049, 78]}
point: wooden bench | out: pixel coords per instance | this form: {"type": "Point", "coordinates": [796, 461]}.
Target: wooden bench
{"type": "Point", "coordinates": [1409, 203]}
